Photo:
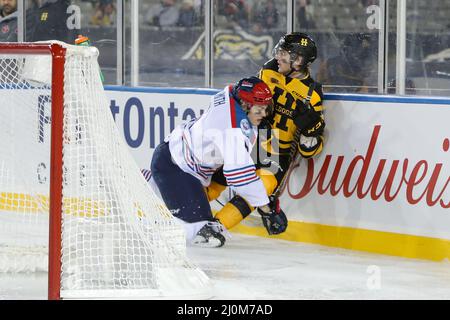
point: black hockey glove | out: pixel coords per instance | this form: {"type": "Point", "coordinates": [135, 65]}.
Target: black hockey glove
{"type": "Point", "coordinates": [275, 221]}
{"type": "Point", "coordinates": [308, 120]}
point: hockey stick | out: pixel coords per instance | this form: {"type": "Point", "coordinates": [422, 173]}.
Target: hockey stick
{"type": "Point", "coordinates": [293, 152]}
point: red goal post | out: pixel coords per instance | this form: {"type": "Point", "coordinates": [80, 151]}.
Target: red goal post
{"type": "Point", "coordinates": [109, 236]}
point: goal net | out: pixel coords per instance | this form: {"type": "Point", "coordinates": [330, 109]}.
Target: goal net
{"type": "Point", "coordinates": [72, 200]}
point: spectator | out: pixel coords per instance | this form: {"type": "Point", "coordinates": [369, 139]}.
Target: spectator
{"type": "Point", "coordinates": [8, 21]}
{"type": "Point", "coordinates": [237, 12]}
{"type": "Point", "coordinates": [188, 15]}
{"type": "Point", "coordinates": [354, 67]}
{"type": "Point", "coordinates": [266, 15]}
{"type": "Point", "coordinates": [305, 21]}
{"type": "Point", "coordinates": [49, 20]}
{"type": "Point", "coordinates": [199, 6]}
{"type": "Point", "coordinates": [163, 14]}
{"type": "Point", "coordinates": [105, 14]}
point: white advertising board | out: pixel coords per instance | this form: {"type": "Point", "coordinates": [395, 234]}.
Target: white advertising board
{"type": "Point", "coordinates": [25, 116]}
{"type": "Point", "coordinates": [145, 117]}
{"type": "Point", "coordinates": [385, 165]}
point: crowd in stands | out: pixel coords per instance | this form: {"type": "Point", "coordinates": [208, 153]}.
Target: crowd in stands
{"type": "Point", "coordinates": [341, 63]}
{"type": "Point", "coordinates": [104, 13]}
{"type": "Point", "coordinates": [45, 20]}
{"type": "Point", "coordinates": [169, 13]}
{"type": "Point", "coordinates": [256, 16]}
{"type": "Point", "coordinates": [252, 15]}
{"type": "Point", "coordinates": [8, 20]}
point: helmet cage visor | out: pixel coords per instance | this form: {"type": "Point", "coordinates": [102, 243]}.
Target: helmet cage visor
{"type": "Point", "coordinates": [296, 45]}
{"type": "Point", "coordinates": [280, 50]}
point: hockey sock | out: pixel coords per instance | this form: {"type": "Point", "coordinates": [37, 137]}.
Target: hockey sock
{"type": "Point", "coordinates": [234, 212]}
{"type": "Point", "coordinates": [214, 190]}
{"type": "Point", "coordinates": [268, 179]}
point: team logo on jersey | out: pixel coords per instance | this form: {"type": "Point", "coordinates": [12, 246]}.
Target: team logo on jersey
{"type": "Point", "coordinates": [233, 45]}
{"type": "Point", "coordinates": [246, 127]}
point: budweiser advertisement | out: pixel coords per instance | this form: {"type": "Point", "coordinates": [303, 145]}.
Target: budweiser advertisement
{"type": "Point", "coordinates": [384, 167]}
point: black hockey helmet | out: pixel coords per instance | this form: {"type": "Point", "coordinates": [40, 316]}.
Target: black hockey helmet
{"type": "Point", "coordinates": [298, 44]}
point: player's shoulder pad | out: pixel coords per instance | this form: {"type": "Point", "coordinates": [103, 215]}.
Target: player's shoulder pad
{"type": "Point", "coordinates": [272, 64]}
{"type": "Point", "coordinates": [269, 74]}
{"type": "Point", "coordinates": [317, 86]}
{"type": "Point", "coordinates": [318, 89]}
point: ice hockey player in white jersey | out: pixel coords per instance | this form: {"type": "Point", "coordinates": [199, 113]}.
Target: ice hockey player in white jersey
{"type": "Point", "coordinates": [220, 139]}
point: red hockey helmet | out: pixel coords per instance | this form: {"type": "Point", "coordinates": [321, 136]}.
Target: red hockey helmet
{"type": "Point", "coordinates": [253, 91]}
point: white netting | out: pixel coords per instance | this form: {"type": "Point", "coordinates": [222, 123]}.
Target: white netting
{"type": "Point", "coordinates": [118, 238]}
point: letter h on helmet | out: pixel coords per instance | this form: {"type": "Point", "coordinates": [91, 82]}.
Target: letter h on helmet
{"type": "Point", "coordinates": [297, 44]}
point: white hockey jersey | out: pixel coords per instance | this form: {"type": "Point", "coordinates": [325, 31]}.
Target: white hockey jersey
{"type": "Point", "coordinates": [223, 135]}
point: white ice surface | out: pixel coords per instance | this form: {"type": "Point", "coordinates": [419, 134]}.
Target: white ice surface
{"type": "Point", "coordinates": [259, 268]}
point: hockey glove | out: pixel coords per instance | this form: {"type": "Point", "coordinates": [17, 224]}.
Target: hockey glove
{"type": "Point", "coordinates": [308, 120]}
{"type": "Point", "coordinates": [275, 221]}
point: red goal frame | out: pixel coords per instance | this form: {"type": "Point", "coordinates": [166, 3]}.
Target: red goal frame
{"type": "Point", "coordinates": [58, 54]}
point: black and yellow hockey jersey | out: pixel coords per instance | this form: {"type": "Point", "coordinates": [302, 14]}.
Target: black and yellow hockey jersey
{"type": "Point", "coordinates": [286, 91]}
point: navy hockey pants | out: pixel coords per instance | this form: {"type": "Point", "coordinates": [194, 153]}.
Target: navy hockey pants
{"type": "Point", "coordinates": [182, 193]}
